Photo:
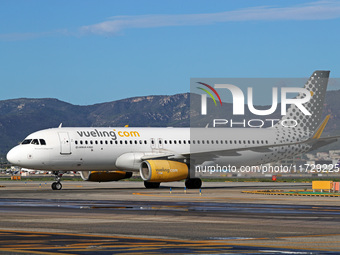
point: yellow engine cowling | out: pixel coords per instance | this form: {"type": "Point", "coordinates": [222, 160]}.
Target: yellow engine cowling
{"type": "Point", "coordinates": [104, 176]}
{"type": "Point", "coordinates": [163, 171]}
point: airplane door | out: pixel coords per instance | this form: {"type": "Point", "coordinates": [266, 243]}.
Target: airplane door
{"type": "Point", "coordinates": [65, 144]}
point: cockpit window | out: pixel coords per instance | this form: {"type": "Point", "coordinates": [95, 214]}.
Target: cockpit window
{"type": "Point", "coordinates": [35, 141]}
{"type": "Point", "coordinates": [26, 141]}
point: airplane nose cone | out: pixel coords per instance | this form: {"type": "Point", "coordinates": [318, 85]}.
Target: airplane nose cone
{"type": "Point", "coordinates": [12, 156]}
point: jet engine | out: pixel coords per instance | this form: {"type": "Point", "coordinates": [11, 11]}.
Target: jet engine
{"type": "Point", "coordinates": [104, 176]}
{"type": "Point", "coordinates": [163, 171]}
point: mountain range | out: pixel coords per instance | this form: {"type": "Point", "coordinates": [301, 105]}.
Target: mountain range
{"type": "Point", "coordinates": [20, 117]}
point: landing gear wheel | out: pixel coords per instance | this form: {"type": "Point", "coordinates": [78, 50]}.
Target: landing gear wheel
{"type": "Point", "coordinates": [151, 185]}
{"type": "Point", "coordinates": [56, 186]}
{"type": "Point", "coordinates": [194, 183]}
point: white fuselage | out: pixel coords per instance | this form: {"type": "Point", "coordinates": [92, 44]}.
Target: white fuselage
{"type": "Point", "coordinates": [104, 149]}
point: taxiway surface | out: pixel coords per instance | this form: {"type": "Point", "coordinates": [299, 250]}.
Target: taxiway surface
{"type": "Point", "coordinates": [106, 218]}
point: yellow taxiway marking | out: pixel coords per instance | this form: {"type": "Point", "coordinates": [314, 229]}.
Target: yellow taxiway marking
{"type": "Point", "coordinates": [35, 252]}
{"type": "Point", "coordinates": [283, 193]}
{"type": "Point", "coordinates": [153, 244]}
{"type": "Point", "coordinates": [166, 195]}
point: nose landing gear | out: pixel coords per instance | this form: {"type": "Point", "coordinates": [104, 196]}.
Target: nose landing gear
{"type": "Point", "coordinates": [57, 185]}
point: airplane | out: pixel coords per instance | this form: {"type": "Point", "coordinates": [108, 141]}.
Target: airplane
{"type": "Point", "coordinates": [168, 154]}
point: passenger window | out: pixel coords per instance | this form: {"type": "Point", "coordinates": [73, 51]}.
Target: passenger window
{"type": "Point", "coordinates": [130, 141]}
{"type": "Point", "coordinates": [188, 141]}
{"type": "Point", "coordinates": [111, 142]}
{"type": "Point", "coordinates": [145, 142]}
{"type": "Point", "coordinates": [116, 142]}
{"type": "Point", "coordinates": [175, 141]}
{"type": "Point", "coordinates": [126, 142]}
{"type": "Point", "coordinates": [96, 142]}
{"type": "Point", "coordinates": [76, 142]}
{"type": "Point", "coordinates": [91, 142]}
{"type": "Point", "coordinates": [81, 142]}
{"type": "Point", "coordinates": [35, 142]}
{"type": "Point", "coordinates": [136, 142]}
{"type": "Point", "coordinates": [86, 142]}
{"type": "Point", "coordinates": [179, 141]}
{"type": "Point", "coordinates": [184, 141]}
{"type": "Point", "coordinates": [42, 142]}
{"type": "Point", "coordinates": [106, 142]}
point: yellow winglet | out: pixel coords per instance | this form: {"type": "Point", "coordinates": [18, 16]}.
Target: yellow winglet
{"type": "Point", "coordinates": [321, 128]}
{"type": "Point", "coordinates": [126, 126]}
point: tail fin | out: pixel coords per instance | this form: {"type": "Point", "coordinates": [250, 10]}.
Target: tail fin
{"type": "Point", "coordinates": [317, 85]}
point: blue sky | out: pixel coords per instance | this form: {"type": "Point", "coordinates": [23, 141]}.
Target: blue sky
{"type": "Point", "coordinates": [86, 52]}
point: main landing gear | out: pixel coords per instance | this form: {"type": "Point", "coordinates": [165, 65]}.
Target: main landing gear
{"type": "Point", "coordinates": [151, 185]}
{"type": "Point", "coordinates": [194, 183]}
{"type": "Point", "coordinates": [57, 185]}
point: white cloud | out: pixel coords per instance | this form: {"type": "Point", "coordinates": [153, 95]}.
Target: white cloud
{"type": "Point", "coordinates": [320, 10]}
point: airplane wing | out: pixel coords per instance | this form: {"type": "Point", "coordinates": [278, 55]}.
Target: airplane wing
{"type": "Point", "coordinates": [314, 140]}
{"type": "Point", "coordinates": [211, 155]}
{"type": "Point", "coordinates": [157, 156]}
{"type": "Point", "coordinates": [323, 141]}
